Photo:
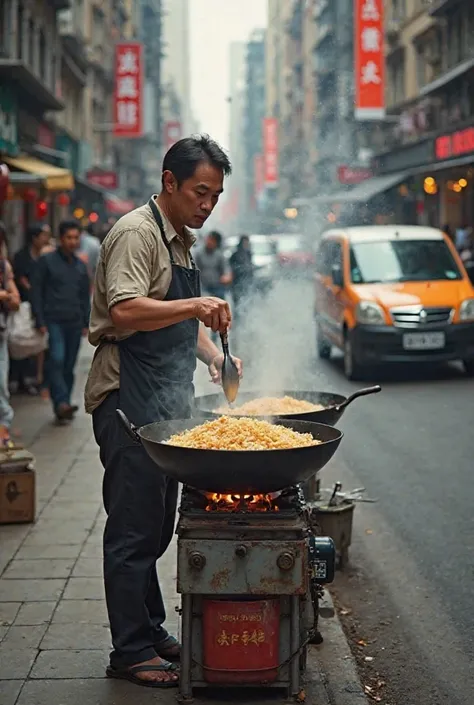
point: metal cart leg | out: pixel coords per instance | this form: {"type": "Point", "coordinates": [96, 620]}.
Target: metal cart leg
{"type": "Point", "coordinates": [295, 644]}
{"type": "Point", "coordinates": [185, 689]}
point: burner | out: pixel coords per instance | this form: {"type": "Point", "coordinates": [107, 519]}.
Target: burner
{"type": "Point", "coordinates": [242, 503]}
{"type": "Point", "coordinates": [286, 502]}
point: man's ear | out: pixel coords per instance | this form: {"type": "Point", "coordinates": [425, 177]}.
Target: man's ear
{"type": "Point", "coordinates": [169, 182]}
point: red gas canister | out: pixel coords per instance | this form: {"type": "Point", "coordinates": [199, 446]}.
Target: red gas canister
{"type": "Point", "coordinates": [241, 641]}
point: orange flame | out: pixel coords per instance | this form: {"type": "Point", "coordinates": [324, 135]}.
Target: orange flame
{"type": "Point", "coordinates": [232, 502]}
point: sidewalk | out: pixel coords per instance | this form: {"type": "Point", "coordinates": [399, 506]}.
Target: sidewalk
{"type": "Point", "coordinates": [54, 636]}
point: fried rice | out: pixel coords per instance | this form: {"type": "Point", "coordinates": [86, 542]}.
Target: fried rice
{"type": "Point", "coordinates": [268, 406]}
{"type": "Point", "coordinates": [227, 433]}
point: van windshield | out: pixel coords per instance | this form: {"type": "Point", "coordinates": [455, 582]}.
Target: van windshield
{"type": "Point", "coordinates": [401, 261]}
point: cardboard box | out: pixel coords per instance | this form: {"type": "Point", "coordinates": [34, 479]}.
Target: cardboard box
{"type": "Point", "coordinates": [17, 496]}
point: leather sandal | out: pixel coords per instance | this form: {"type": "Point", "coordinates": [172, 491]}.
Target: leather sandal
{"type": "Point", "coordinates": [129, 674]}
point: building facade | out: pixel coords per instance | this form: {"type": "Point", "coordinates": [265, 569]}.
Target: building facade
{"type": "Point", "coordinates": [57, 64]}
{"type": "Point", "coordinates": [430, 98]}
{"type": "Point", "coordinates": [252, 124]}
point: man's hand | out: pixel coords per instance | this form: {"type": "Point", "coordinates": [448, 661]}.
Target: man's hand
{"type": "Point", "coordinates": [4, 295]}
{"type": "Point", "coordinates": [85, 332]}
{"type": "Point", "coordinates": [214, 313]}
{"type": "Point", "coordinates": [43, 330]}
{"type": "Point", "coordinates": [216, 366]}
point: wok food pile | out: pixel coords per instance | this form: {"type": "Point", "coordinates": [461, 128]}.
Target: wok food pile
{"type": "Point", "coordinates": [268, 406]}
{"type": "Point", "coordinates": [227, 433]}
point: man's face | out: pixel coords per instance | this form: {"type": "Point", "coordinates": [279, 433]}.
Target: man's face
{"type": "Point", "coordinates": [211, 243]}
{"type": "Point", "coordinates": [197, 197]}
{"type": "Point", "coordinates": [71, 240]}
{"type": "Point", "coordinates": [43, 239]}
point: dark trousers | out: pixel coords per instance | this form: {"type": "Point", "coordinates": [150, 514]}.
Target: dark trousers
{"type": "Point", "coordinates": [64, 344]}
{"type": "Point", "coordinates": [140, 502]}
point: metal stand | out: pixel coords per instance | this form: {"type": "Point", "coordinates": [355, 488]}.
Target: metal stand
{"type": "Point", "coordinates": [185, 689]}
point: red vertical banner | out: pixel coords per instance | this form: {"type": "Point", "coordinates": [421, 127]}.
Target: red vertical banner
{"type": "Point", "coordinates": [270, 152]}
{"type": "Point", "coordinates": [128, 93]}
{"type": "Point", "coordinates": [259, 175]}
{"type": "Point", "coordinates": [369, 60]}
{"type": "Point", "coordinates": [173, 133]}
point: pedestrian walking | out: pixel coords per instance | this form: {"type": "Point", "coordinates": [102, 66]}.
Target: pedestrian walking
{"type": "Point", "coordinates": [28, 375]}
{"type": "Point", "coordinates": [211, 262]}
{"type": "Point", "coordinates": [146, 318]}
{"type": "Point", "coordinates": [242, 269]}
{"type": "Point", "coordinates": [9, 301]}
{"type": "Point", "coordinates": [88, 252]}
{"type": "Point", "coordinates": [61, 306]}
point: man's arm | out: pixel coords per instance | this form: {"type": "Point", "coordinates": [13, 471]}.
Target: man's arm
{"type": "Point", "coordinates": [207, 351]}
{"type": "Point", "coordinates": [10, 296]}
{"type": "Point", "coordinates": [129, 266]}
{"type": "Point", "coordinates": [37, 292]}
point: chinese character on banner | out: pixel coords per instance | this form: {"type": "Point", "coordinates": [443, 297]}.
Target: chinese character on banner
{"type": "Point", "coordinates": [270, 152]}
{"type": "Point", "coordinates": [128, 94]}
{"type": "Point", "coordinates": [369, 62]}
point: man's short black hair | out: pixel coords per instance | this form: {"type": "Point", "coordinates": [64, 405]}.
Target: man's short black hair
{"type": "Point", "coordinates": [66, 225]}
{"type": "Point", "coordinates": [217, 237]}
{"type": "Point", "coordinates": [33, 231]}
{"type": "Point", "coordinates": [183, 158]}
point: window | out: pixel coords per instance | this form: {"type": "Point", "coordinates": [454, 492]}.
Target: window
{"type": "Point", "coordinates": [396, 76]}
{"type": "Point", "coordinates": [402, 260]}
{"type": "Point", "coordinates": [328, 256]}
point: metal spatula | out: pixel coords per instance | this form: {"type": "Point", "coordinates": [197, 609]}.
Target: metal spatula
{"type": "Point", "coordinates": [230, 373]}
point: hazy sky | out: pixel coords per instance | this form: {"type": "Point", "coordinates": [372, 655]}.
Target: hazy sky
{"type": "Point", "coordinates": [214, 25]}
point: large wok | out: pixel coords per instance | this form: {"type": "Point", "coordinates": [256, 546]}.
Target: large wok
{"type": "Point", "coordinates": [231, 471]}
{"type": "Point", "coordinates": [335, 404]}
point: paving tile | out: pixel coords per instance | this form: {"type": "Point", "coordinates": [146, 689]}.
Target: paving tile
{"type": "Point", "coordinates": [67, 509]}
{"type": "Point", "coordinates": [84, 589]}
{"type": "Point", "coordinates": [54, 551]}
{"type": "Point", "coordinates": [24, 637]}
{"type": "Point", "coordinates": [3, 633]}
{"type": "Point", "coordinates": [81, 611]}
{"type": "Point", "coordinates": [70, 664]}
{"type": "Point", "coordinates": [8, 612]}
{"type": "Point", "coordinates": [92, 550]}
{"type": "Point", "coordinates": [88, 568]}
{"type": "Point", "coordinates": [15, 663]}
{"type": "Point", "coordinates": [31, 590]}
{"type": "Point", "coordinates": [35, 613]}
{"type": "Point", "coordinates": [47, 536]}
{"type": "Point", "coordinates": [9, 691]}
{"type": "Point", "coordinates": [39, 568]}
{"type": "Point", "coordinates": [93, 692]}
{"type": "Point", "coordinates": [76, 636]}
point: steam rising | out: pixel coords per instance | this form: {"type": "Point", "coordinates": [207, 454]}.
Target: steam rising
{"type": "Point", "coordinates": [274, 337]}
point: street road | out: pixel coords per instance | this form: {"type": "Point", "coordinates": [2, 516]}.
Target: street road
{"type": "Point", "coordinates": [411, 590]}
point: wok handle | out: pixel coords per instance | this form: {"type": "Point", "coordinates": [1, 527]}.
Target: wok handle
{"type": "Point", "coordinates": [128, 427]}
{"type": "Point", "coordinates": [360, 393]}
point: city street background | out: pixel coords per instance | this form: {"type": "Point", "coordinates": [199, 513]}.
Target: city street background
{"type": "Point", "coordinates": [409, 586]}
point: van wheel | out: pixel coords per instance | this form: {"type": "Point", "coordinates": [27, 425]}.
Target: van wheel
{"type": "Point", "coordinates": [352, 369]}
{"type": "Point", "coordinates": [322, 345]}
{"type": "Point", "coordinates": [468, 367]}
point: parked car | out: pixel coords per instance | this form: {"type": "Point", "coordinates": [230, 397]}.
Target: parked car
{"type": "Point", "coordinates": [294, 254]}
{"type": "Point", "coordinates": [263, 257]}
{"type": "Point", "coordinates": [390, 294]}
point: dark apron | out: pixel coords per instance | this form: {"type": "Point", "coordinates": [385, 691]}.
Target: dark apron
{"type": "Point", "coordinates": [157, 367]}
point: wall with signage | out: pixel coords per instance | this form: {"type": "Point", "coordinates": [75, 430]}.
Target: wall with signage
{"type": "Point", "coordinates": [8, 121]}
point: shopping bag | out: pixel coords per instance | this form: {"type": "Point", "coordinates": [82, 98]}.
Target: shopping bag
{"type": "Point", "coordinates": [24, 340]}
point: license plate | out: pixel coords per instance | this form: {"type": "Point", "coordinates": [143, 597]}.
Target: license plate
{"type": "Point", "coordinates": [424, 341]}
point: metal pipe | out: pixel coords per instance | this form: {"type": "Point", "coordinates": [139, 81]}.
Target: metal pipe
{"type": "Point", "coordinates": [185, 690]}
{"type": "Point", "coordinates": [295, 643]}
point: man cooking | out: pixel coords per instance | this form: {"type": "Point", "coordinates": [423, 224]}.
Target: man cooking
{"type": "Point", "coordinates": [148, 322]}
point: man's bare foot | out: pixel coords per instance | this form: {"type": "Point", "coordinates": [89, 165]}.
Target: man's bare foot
{"type": "Point", "coordinates": [156, 676]}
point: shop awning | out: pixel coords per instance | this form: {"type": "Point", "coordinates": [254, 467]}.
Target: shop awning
{"type": "Point", "coordinates": [447, 77]}
{"type": "Point", "coordinates": [362, 193]}
{"type": "Point", "coordinates": [53, 177]}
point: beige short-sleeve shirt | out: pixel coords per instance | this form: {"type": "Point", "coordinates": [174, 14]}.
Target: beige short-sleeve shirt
{"type": "Point", "coordinates": [134, 261]}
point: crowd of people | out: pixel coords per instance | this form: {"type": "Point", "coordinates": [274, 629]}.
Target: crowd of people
{"type": "Point", "coordinates": [44, 291]}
